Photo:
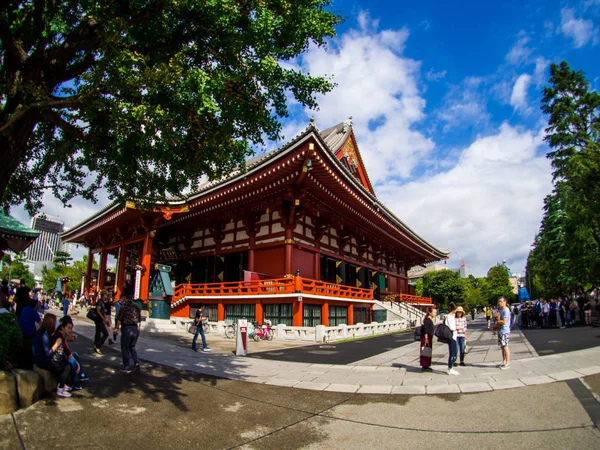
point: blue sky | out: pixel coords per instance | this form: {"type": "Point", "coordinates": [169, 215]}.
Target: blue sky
{"type": "Point", "coordinates": [445, 100]}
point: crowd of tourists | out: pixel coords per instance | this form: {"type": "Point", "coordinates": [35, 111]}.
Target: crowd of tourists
{"type": "Point", "coordinates": [46, 337]}
{"type": "Point", "coordinates": [556, 313]}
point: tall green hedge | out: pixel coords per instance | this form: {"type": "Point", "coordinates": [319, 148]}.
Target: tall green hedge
{"type": "Point", "coordinates": [11, 338]}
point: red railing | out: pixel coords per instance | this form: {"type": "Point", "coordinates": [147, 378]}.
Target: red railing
{"type": "Point", "coordinates": [273, 286]}
{"type": "Point", "coordinates": [255, 287]}
{"type": "Point", "coordinates": [300, 285]}
{"type": "Point", "coordinates": [308, 286]}
{"type": "Point", "coordinates": [407, 298]}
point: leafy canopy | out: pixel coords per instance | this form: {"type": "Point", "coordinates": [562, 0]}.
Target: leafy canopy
{"type": "Point", "coordinates": [443, 286]}
{"type": "Point", "coordinates": [144, 97]}
{"type": "Point", "coordinates": [566, 254]}
{"type": "Point", "coordinates": [497, 285]}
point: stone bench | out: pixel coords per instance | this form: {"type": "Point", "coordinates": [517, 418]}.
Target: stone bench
{"type": "Point", "coordinates": [47, 380]}
{"type": "Point", "coordinates": [29, 386]}
{"type": "Point", "coordinates": [8, 392]}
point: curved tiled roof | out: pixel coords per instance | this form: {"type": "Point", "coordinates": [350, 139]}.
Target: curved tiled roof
{"type": "Point", "coordinates": [331, 140]}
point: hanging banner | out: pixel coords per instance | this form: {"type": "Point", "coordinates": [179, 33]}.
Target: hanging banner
{"type": "Point", "coordinates": [138, 281]}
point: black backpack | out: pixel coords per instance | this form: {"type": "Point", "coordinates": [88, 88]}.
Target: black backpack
{"type": "Point", "coordinates": [443, 333]}
{"type": "Point", "coordinates": [418, 333]}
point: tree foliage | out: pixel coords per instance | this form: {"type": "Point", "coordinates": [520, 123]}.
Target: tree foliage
{"type": "Point", "coordinates": [497, 285]}
{"type": "Point", "coordinates": [62, 258]}
{"type": "Point", "coordinates": [566, 254]}
{"type": "Point", "coordinates": [75, 272]}
{"type": "Point", "coordinates": [144, 97]}
{"type": "Point", "coordinates": [419, 287]}
{"type": "Point", "coordinates": [17, 270]}
{"type": "Point", "coordinates": [443, 286]}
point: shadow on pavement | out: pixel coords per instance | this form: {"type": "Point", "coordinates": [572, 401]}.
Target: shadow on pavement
{"type": "Point", "coordinates": [340, 353]}
{"type": "Point", "coordinates": [155, 382]}
{"type": "Point", "coordinates": [548, 341]}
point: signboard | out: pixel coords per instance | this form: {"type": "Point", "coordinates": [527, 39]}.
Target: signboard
{"type": "Point", "coordinates": [138, 281]}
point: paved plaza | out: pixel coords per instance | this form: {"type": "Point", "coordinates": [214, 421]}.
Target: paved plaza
{"type": "Point", "coordinates": [183, 400]}
{"type": "Point", "coordinates": [394, 371]}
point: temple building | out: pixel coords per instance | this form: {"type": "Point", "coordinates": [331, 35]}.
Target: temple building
{"type": "Point", "coordinates": [298, 238]}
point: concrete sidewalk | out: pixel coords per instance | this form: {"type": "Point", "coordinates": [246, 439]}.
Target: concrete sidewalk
{"type": "Point", "coordinates": [392, 372]}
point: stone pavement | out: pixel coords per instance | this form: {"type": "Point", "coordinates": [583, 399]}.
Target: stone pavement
{"type": "Point", "coordinates": [162, 407]}
{"type": "Point", "coordinates": [393, 372]}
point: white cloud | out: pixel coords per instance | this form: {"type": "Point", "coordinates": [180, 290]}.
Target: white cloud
{"type": "Point", "coordinates": [518, 98]}
{"type": "Point", "coordinates": [581, 31]}
{"type": "Point", "coordinates": [432, 75]}
{"type": "Point", "coordinates": [539, 73]}
{"type": "Point", "coordinates": [519, 53]}
{"type": "Point", "coordinates": [488, 207]}
{"type": "Point", "coordinates": [379, 87]}
{"type": "Point", "coordinates": [464, 105]}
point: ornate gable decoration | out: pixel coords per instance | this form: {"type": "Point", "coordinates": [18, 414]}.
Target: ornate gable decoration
{"type": "Point", "coordinates": [349, 155]}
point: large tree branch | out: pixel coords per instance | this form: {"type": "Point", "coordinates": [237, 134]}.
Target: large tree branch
{"type": "Point", "coordinates": [52, 102]}
{"type": "Point", "coordinates": [61, 75]}
{"type": "Point", "coordinates": [14, 48]}
{"type": "Point", "coordinates": [70, 130]}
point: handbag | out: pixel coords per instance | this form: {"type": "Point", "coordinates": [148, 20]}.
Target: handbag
{"type": "Point", "coordinates": [92, 314]}
{"type": "Point", "coordinates": [467, 348]}
{"type": "Point", "coordinates": [192, 329]}
{"type": "Point", "coordinates": [443, 333]}
{"type": "Point", "coordinates": [426, 351]}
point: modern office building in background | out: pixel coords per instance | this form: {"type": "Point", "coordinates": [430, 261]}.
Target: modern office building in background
{"type": "Point", "coordinates": [42, 252]}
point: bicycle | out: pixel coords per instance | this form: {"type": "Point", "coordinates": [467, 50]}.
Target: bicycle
{"type": "Point", "coordinates": [263, 332]}
{"type": "Point", "coordinates": [230, 329]}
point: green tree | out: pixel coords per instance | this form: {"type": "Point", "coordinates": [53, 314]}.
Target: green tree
{"type": "Point", "coordinates": [566, 254]}
{"type": "Point", "coordinates": [419, 287]}
{"type": "Point", "coordinates": [62, 258]}
{"type": "Point", "coordinates": [18, 270]}
{"type": "Point", "coordinates": [443, 286]}
{"type": "Point", "coordinates": [144, 97]}
{"type": "Point", "coordinates": [497, 285]}
{"type": "Point", "coordinates": [473, 296]}
{"type": "Point", "coordinates": [75, 272]}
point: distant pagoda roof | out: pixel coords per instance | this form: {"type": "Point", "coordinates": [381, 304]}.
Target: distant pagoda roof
{"type": "Point", "coordinates": [14, 236]}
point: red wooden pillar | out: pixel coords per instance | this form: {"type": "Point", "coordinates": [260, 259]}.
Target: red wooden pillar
{"type": "Point", "coordinates": [297, 318]}
{"type": "Point", "coordinates": [350, 314]}
{"type": "Point", "coordinates": [325, 314]}
{"type": "Point", "coordinates": [251, 243]}
{"type": "Point", "coordinates": [102, 270]}
{"type": "Point", "coordinates": [121, 270]}
{"type": "Point", "coordinates": [289, 251]}
{"type": "Point", "coordinates": [258, 312]}
{"type": "Point", "coordinates": [145, 260]}
{"type": "Point", "coordinates": [88, 271]}
{"type": "Point", "coordinates": [220, 311]}
{"type": "Point", "coordinates": [317, 266]}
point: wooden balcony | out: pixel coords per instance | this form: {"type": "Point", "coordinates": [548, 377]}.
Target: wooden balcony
{"type": "Point", "coordinates": [298, 285]}
{"type": "Point", "coordinates": [406, 298]}
{"type": "Point", "coordinates": [270, 287]}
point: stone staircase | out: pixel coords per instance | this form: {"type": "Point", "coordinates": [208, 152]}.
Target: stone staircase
{"type": "Point", "coordinates": [402, 311]}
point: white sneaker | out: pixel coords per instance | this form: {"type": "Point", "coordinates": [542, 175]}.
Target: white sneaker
{"type": "Point", "coordinates": [453, 372]}
{"type": "Point", "coordinates": [62, 393]}
{"type": "Point", "coordinates": [67, 388]}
